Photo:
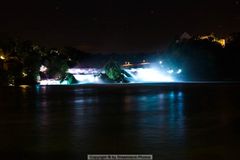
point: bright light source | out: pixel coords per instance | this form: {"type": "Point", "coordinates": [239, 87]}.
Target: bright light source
{"type": "Point", "coordinates": [152, 75]}
{"type": "Point", "coordinates": [1, 57]}
{"type": "Point", "coordinates": [43, 68]}
{"type": "Point", "coordinates": [160, 62]}
{"type": "Point", "coordinates": [179, 71]}
{"type": "Point", "coordinates": [24, 74]}
{"type": "Point", "coordinates": [170, 71]}
{"type": "Point", "coordinates": [24, 86]}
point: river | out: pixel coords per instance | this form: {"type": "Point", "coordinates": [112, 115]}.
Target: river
{"type": "Point", "coordinates": [170, 122]}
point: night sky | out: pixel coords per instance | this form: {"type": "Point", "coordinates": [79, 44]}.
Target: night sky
{"type": "Point", "coordinates": [116, 25]}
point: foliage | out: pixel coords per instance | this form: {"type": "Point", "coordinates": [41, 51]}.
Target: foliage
{"type": "Point", "coordinates": [57, 66]}
{"type": "Point", "coordinates": [3, 78]}
{"type": "Point", "coordinates": [196, 57]}
{"type": "Point", "coordinates": [24, 59]}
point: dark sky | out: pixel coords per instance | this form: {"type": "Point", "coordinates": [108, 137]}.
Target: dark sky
{"type": "Point", "coordinates": [116, 25]}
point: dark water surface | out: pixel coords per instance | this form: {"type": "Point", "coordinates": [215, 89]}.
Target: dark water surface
{"type": "Point", "coordinates": [68, 122]}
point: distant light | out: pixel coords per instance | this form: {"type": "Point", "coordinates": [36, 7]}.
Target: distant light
{"type": "Point", "coordinates": [24, 74]}
{"type": "Point", "coordinates": [222, 42]}
{"type": "Point", "coordinates": [1, 57]}
{"type": "Point", "coordinates": [179, 71]}
{"type": "Point", "coordinates": [170, 71]}
{"type": "Point", "coordinates": [144, 62]}
{"type": "Point", "coordinates": [43, 68]}
{"type": "Point", "coordinates": [160, 62]}
{"type": "Point", "coordinates": [24, 86]}
{"type": "Point", "coordinates": [180, 94]}
{"type": "Point", "coordinates": [127, 64]}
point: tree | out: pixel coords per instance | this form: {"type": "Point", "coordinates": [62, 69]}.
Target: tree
{"type": "Point", "coordinates": [57, 66]}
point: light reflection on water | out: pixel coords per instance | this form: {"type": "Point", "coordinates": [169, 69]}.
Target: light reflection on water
{"type": "Point", "coordinates": [162, 121]}
{"type": "Point", "coordinates": [171, 123]}
{"type": "Point", "coordinates": [145, 121]}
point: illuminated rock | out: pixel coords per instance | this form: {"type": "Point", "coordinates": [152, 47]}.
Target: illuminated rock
{"type": "Point", "coordinates": [69, 78]}
{"type": "Point", "coordinates": [114, 73]}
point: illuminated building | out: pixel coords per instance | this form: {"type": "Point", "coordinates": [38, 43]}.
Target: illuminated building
{"type": "Point", "coordinates": [127, 64]}
{"type": "Point", "coordinates": [1, 57]}
{"type": "Point", "coordinates": [213, 38]}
